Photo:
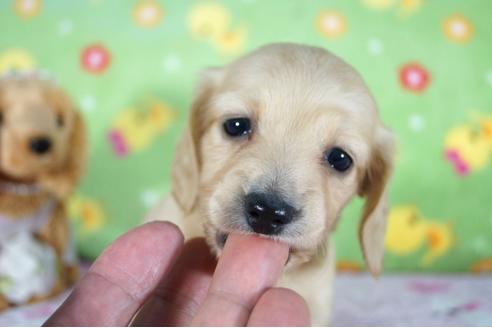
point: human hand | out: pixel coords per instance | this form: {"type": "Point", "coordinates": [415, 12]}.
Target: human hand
{"type": "Point", "coordinates": [148, 277]}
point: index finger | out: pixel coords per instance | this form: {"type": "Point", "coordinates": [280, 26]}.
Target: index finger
{"type": "Point", "coordinates": [247, 267]}
{"type": "Point", "coordinates": [121, 278]}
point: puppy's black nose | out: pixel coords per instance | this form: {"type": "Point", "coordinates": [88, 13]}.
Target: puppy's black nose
{"type": "Point", "coordinates": [267, 213]}
{"type": "Point", "coordinates": [40, 146]}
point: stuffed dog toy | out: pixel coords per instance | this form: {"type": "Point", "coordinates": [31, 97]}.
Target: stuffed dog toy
{"type": "Point", "coordinates": [42, 154]}
{"type": "Point", "coordinates": [278, 142]}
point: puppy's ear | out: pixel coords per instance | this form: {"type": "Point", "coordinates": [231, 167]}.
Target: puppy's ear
{"type": "Point", "coordinates": [372, 227]}
{"type": "Point", "coordinates": [63, 180]}
{"type": "Point", "coordinates": [187, 160]}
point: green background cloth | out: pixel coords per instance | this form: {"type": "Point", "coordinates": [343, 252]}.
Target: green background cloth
{"type": "Point", "coordinates": [131, 66]}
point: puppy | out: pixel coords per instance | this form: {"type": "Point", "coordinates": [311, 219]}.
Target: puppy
{"type": "Point", "coordinates": [277, 143]}
{"type": "Point", "coordinates": [42, 156]}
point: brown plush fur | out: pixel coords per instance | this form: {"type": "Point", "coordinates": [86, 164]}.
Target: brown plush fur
{"type": "Point", "coordinates": [30, 108]}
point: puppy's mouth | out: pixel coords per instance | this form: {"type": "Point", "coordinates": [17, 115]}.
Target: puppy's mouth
{"type": "Point", "coordinates": [221, 238]}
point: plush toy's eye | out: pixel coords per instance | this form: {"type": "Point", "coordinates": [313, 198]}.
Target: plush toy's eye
{"type": "Point", "coordinates": [1, 118]}
{"type": "Point", "coordinates": [237, 127]}
{"type": "Point", "coordinates": [60, 120]}
{"type": "Point", "coordinates": [338, 159]}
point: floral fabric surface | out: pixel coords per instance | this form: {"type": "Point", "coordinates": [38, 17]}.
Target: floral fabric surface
{"type": "Point", "coordinates": [393, 300]}
{"type": "Point", "coordinates": [130, 66]}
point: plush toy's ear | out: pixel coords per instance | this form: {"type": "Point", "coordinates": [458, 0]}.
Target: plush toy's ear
{"type": "Point", "coordinates": [62, 180]}
{"type": "Point", "coordinates": [187, 160]}
{"type": "Point", "coordinates": [372, 226]}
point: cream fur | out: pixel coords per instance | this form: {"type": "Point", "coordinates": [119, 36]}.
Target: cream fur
{"type": "Point", "coordinates": [302, 101]}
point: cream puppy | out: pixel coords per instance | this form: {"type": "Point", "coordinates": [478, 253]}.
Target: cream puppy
{"type": "Point", "coordinates": [277, 143]}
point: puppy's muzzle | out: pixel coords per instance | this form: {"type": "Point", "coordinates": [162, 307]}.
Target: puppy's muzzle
{"type": "Point", "coordinates": [268, 213]}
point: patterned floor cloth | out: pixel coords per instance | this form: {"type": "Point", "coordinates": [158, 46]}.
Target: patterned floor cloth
{"type": "Point", "coordinates": [413, 300]}
{"type": "Point", "coordinates": [393, 300]}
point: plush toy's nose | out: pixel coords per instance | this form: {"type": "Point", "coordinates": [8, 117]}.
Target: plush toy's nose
{"type": "Point", "coordinates": [40, 146]}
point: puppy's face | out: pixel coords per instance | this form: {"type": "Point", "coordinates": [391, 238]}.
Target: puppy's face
{"type": "Point", "coordinates": [36, 121]}
{"type": "Point", "coordinates": [283, 139]}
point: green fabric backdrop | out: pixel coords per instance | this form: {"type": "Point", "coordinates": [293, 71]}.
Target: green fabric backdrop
{"type": "Point", "coordinates": [131, 68]}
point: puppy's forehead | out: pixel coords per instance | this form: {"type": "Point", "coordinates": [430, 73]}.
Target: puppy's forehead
{"type": "Point", "coordinates": [300, 75]}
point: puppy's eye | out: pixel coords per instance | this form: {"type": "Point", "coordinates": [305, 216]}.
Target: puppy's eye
{"type": "Point", "coordinates": [60, 120]}
{"type": "Point", "coordinates": [338, 159]}
{"type": "Point", "coordinates": [237, 127]}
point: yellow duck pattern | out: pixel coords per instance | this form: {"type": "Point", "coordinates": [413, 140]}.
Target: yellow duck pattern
{"type": "Point", "coordinates": [468, 147]}
{"type": "Point", "coordinates": [409, 231]}
{"type": "Point", "coordinates": [210, 21]}
{"type": "Point", "coordinates": [134, 130]}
